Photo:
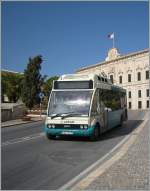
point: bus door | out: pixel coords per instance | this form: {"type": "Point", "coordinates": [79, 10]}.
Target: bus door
{"type": "Point", "coordinates": [103, 112]}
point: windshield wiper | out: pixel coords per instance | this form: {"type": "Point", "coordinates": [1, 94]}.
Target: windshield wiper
{"type": "Point", "coordinates": [56, 115]}
{"type": "Point", "coordinates": [64, 115]}
{"type": "Point", "coordinates": [71, 114]}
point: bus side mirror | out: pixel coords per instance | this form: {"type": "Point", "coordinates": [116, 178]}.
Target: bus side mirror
{"type": "Point", "coordinates": [106, 109]}
{"type": "Point", "coordinates": [109, 109]}
{"type": "Point", "coordinates": [98, 109]}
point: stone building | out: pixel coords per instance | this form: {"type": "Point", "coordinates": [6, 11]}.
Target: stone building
{"type": "Point", "coordinates": [129, 71]}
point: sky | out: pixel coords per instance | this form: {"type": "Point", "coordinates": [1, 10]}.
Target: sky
{"type": "Point", "coordinates": [70, 35]}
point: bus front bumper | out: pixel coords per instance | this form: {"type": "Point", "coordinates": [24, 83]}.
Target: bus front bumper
{"type": "Point", "coordinates": [72, 132]}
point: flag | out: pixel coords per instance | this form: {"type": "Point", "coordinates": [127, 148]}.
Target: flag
{"type": "Point", "coordinates": [111, 36]}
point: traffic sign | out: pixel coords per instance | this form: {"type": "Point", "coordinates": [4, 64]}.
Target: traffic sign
{"type": "Point", "coordinates": [41, 95]}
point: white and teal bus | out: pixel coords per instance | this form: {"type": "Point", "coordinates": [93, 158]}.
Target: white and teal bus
{"type": "Point", "coordinates": [84, 105]}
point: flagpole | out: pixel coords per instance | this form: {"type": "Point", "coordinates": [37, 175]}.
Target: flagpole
{"type": "Point", "coordinates": [114, 41]}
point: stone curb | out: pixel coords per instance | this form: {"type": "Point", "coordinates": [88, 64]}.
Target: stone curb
{"type": "Point", "coordinates": [80, 181]}
{"type": "Point", "coordinates": [23, 122]}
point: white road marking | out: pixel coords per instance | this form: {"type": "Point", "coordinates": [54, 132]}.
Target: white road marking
{"type": "Point", "coordinates": [78, 183]}
{"type": "Point", "coordinates": [23, 139]}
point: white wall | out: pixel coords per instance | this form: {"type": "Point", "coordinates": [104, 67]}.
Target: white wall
{"type": "Point", "coordinates": [127, 65]}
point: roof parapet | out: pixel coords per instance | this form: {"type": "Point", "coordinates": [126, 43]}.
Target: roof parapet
{"type": "Point", "coordinates": [112, 60]}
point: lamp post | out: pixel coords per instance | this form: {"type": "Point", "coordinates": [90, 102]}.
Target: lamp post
{"type": "Point", "coordinates": [41, 95]}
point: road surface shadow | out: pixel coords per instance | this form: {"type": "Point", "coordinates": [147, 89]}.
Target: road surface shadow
{"type": "Point", "coordinates": [117, 131]}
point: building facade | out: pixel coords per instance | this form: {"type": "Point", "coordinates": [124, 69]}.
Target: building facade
{"type": "Point", "coordinates": [129, 71]}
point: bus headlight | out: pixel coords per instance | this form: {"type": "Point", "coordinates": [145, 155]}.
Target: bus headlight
{"type": "Point", "coordinates": [53, 126]}
{"type": "Point", "coordinates": [81, 126]}
{"type": "Point", "coordinates": [85, 126]}
{"type": "Point", "coordinates": [49, 125]}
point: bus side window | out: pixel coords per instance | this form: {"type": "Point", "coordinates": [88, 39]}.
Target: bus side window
{"type": "Point", "coordinates": [95, 104]}
{"type": "Point", "coordinates": [123, 96]}
{"type": "Point", "coordinates": [111, 99]}
{"type": "Point", "coordinates": [101, 100]}
{"type": "Point", "coordinates": [116, 104]}
{"type": "Point", "coordinates": [105, 96]}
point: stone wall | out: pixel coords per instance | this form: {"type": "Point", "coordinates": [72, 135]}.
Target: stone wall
{"type": "Point", "coordinates": [11, 111]}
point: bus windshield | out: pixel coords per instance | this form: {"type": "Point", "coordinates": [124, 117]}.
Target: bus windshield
{"type": "Point", "coordinates": [67, 102]}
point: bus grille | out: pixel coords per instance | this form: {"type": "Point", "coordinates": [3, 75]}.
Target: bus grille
{"type": "Point", "coordinates": [67, 126]}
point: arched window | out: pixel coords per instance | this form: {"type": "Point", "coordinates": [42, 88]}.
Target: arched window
{"type": "Point", "coordinates": [139, 76]}
{"type": "Point", "coordinates": [139, 93]}
{"type": "Point", "coordinates": [147, 74]}
{"type": "Point", "coordinates": [111, 78]}
{"type": "Point", "coordinates": [129, 94]}
{"type": "Point", "coordinates": [120, 79]}
{"type": "Point", "coordinates": [147, 92]}
{"type": "Point", "coordinates": [129, 77]}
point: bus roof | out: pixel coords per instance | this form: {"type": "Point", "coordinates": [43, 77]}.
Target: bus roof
{"type": "Point", "coordinates": [71, 77]}
{"type": "Point", "coordinates": [97, 79]}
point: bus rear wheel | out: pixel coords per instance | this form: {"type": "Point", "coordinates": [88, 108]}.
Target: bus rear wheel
{"type": "Point", "coordinates": [121, 121]}
{"type": "Point", "coordinates": [49, 136]}
{"type": "Point", "coordinates": [95, 135]}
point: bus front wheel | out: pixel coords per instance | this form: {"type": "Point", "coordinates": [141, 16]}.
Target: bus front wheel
{"type": "Point", "coordinates": [49, 136]}
{"type": "Point", "coordinates": [96, 133]}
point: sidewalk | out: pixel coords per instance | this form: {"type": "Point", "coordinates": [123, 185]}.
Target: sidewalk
{"type": "Point", "coordinates": [34, 118]}
{"type": "Point", "coordinates": [129, 172]}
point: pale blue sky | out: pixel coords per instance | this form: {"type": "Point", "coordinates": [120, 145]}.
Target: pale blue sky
{"type": "Point", "coordinates": [70, 35]}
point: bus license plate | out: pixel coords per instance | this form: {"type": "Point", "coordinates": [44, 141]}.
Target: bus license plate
{"type": "Point", "coordinates": [67, 133]}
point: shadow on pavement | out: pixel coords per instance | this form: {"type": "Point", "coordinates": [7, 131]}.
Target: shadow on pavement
{"type": "Point", "coordinates": [126, 129]}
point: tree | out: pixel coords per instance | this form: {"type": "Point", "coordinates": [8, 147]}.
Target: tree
{"type": "Point", "coordinates": [11, 85]}
{"type": "Point", "coordinates": [47, 87]}
{"type": "Point", "coordinates": [32, 82]}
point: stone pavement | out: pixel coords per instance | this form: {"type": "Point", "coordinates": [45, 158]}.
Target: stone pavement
{"type": "Point", "coordinates": [131, 172]}
{"type": "Point", "coordinates": [34, 118]}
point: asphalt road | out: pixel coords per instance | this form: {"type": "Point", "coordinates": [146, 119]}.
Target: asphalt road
{"type": "Point", "coordinates": [31, 161]}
